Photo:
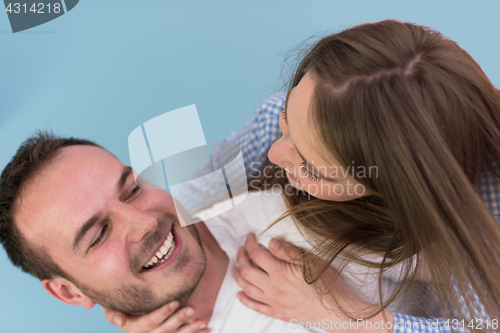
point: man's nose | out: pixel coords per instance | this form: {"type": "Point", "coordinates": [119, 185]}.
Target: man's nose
{"type": "Point", "coordinates": [137, 225]}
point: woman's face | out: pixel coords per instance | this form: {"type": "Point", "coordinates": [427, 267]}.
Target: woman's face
{"type": "Point", "coordinates": [299, 152]}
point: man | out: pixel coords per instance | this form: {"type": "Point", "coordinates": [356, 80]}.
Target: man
{"type": "Point", "coordinates": [72, 215]}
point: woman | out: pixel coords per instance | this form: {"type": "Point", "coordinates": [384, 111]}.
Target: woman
{"type": "Point", "coordinates": [405, 101]}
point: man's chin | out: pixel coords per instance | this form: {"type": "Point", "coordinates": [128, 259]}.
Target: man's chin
{"type": "Point", "coordinates": [138, 300]}
{"type": "Point", "coordinates": [183, 276]}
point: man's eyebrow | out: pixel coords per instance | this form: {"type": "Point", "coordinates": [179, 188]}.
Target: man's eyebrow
{"type": "Point", "coordinates": [83, 230]}
{"type": "Point", "coordinates": [123, 178]}
{"type": "Point", "coordinates": [93, 220]}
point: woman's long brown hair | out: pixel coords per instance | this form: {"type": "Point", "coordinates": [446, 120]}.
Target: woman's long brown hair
{"type": "Point", "coordinates": [406, 99]}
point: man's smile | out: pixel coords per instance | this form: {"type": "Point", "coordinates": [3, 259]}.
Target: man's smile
{"type": "Point", "coordinates": [165, 252]}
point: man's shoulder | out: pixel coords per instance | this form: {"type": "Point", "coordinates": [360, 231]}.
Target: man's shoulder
{"type": "Point", "coordinates": [256, 210]}
{"type": "Point", "coordinates": [257, 214]}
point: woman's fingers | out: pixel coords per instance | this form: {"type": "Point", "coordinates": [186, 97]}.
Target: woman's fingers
{"type": "Point", "coordinates": [249, 289]}
{"type": "Point", "coordinates": [157, 317]}
{"type": "Point", "coordinates": [114, 317]}
{"type": "Point", "coordinates": [248, 276]}
{"type": "Point", "coordinates": [175, 322]}
{"type": "Point", "coordinates": [283, 250]}
{"type": "Point", "coordinates": [254, 305]}
{"type": "Point", "coordinates": [249, 272]}
{"type": "Point", "coordinates": [162, 320]}
{"type": "Point", "coordinates": [261, 256]}
{"type": "Point", "coordinates": [199, 326]}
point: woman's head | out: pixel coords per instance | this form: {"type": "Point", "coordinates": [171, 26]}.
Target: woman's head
{"type": "Point", "coordinates": [300, 152]}
{"type": "Point", "coordinates": [368, 101]}
{"type": "Point", "coordinates": [411, 121]}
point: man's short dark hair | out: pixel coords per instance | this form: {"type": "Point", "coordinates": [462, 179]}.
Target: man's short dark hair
{"type": "Point", "coordinates": [32, 156]}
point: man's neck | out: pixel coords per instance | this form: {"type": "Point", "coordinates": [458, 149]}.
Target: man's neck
{"type": "Point", "coordinates": [205, 294]}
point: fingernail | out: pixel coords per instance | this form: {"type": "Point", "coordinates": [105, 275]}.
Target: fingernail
{"type": "Point", "coordinates": [119, 321]}
{"type": "Point", "coordinates": [202, 326]}
{"type": "Point", "coordinates": [190, 312]}
{"type": "Point", "coordinates": [275, 244]}
{"type": "Point", "coordinates": [174, 305]}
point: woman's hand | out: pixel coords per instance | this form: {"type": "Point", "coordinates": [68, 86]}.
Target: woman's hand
{"type": "Point", "coordinates": [162, 320]}
{"type": "Point", "coordinates": [278, 289]}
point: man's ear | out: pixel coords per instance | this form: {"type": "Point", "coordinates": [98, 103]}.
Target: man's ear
{"type": "Point", "coordinates": [65, 291]}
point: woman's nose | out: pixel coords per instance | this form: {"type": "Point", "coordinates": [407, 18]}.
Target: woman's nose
{"type": "Point", "coordinates": [280, 153]}
{"type": "Point", "coordinates": [274, 152]}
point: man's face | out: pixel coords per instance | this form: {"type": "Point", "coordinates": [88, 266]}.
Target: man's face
{"type": "Point", "coordinates": [101, 229]}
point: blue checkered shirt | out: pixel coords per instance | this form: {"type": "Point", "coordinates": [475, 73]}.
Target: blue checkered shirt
{"type": "Point", "coordinates": [255, 139]}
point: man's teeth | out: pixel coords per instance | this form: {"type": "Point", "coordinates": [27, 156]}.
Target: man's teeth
{"type": "Point", "coordinates": [164, 253]}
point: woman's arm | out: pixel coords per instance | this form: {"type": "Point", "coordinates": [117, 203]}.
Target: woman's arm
{"type": "Point", "coordinates": [277, 289]}
{"type": "Point", "coordinates": [257, 136]}
{"type": "Point", "coordinates": [404, 323]}
{"type": "Point", "coordinates": [478, 320]}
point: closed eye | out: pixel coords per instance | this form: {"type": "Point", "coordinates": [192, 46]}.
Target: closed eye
{"type": "Point", "coordinates": [101, 236]}
{"type": "Point", "coordinates": [134, 191]}
{"type": "Point", "coordinates": [308, 174]}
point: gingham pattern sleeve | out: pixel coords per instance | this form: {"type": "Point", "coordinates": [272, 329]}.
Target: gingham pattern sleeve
{"type": "Point", "coordinates": [254, 141]}
{"type": "Point", "coordinates": [489, 191]}
{"type": "Point", "coordinates": [257, 136]}
{"type": "Point", "coordinates": [479, 320]}
{"type": "Point", "coordinates": [409, 324]}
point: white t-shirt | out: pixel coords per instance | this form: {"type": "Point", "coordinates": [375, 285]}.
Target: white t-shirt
{"type": "Point", "coordinates": [256, 213]}
{"type": "Point", "coordinates": [230, 229]}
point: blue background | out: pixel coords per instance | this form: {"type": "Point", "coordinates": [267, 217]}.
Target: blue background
{"type": "Point", "coordinates": [107, 66]}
